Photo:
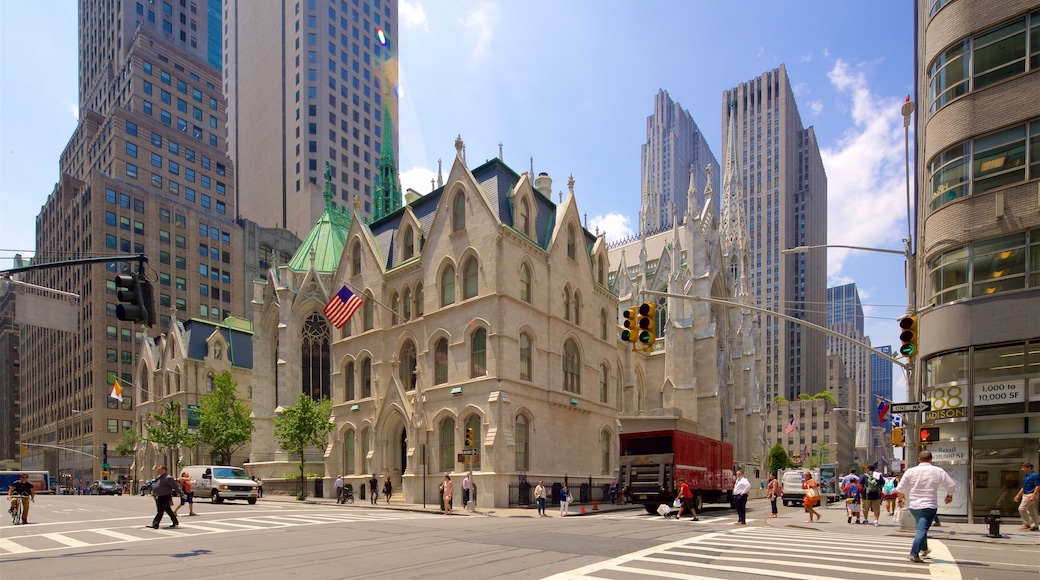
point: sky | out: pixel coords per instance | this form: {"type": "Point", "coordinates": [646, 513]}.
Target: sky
{"type": "Point", "coordinates": [569, 84]}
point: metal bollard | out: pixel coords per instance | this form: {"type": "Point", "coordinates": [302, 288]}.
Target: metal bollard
{"type": "Point", "coordinates": [994, 520]}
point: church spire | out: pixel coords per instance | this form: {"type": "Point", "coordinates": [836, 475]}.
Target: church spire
{"type": "Point", "coordinates": [733, 235]}
{"type": "Point", "coordinates": [386, 197]}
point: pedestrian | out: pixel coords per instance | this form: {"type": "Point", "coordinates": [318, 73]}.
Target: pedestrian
{"type": "Point", "coordinates": [872, 494]}
{"type": "Point", "coordinates": [388, 489]}
{"type": "Point", "coordinates": [539, 496]}
{"type": "Point", "coordinates": [849, 478]}
{"type": "Point", "coordinates": [888, 494]}
{"type": "Point", "coordinates": [774, 489]}
{"type": "Point", "coordinates": [25, 491]}
{"type": "Point", "coordinates": [260, 486]}
{"type": "Point", "coordinates": [339, 489]}
{"type": "Point", "coordinates": [1027, 495]}
{"type": "Point", "coordinates": [373, 489]}
{"type": "Point", "coordinates": [812, 496]}
{"type": "Point", "coordinates": [163, 490]}
{"type": "Point", "coordinates": [685, 497]}
{"type": "Point", "coordinates": [465, 491]}
{"type": "Point", "coordinates": [187, 497]}
{"type": "Point", "coordinates": [447, 494]}
{"type": "Point", "coordinates": [920, 486]}
{"type": "Point", "coordinates": [852, 500]}
{"type": "Point", "coordinates": [565, 500]}
{"type": "Point", "coordinates": [740, 492]}
{"type": "Point", "coordinates": [613, 492]}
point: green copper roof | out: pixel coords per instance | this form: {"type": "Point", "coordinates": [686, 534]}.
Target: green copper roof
{"type": "Point", "coordinates": [327, 237]}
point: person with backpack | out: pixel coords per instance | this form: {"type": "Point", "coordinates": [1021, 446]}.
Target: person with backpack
{"type": "Point", "coordinates": [852, 497]}
{"type": "Point", "coordinates": [888, 495]}
{"type": "Point", "coordinates": [872, 494]}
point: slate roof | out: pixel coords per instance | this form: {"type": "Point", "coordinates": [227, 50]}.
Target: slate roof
{"type": "Point", "coordinates": [240, 340]}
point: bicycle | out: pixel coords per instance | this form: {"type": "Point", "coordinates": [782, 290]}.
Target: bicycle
{"type": "Point", "coordinates": [17, 510]}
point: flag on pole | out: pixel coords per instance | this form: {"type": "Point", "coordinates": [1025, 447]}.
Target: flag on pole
{"type": "Point", "coordinates": [882, 410]}
{"type": "Point", "coordinates": [117, 391]}
{"type": "Point", "coordinates": [790, 425]}
{"type": "Point", "coordinates": [342, 306]}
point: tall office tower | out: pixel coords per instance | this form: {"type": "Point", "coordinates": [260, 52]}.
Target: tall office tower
{"type": "Point", "coordinates": [675, 153]}
{"type": "Point", "coordinates": [977, 128]}
{"type": "Point", "coordinates": [881, 382]}
{"type": "Point", "coordinates": [144, 173]}
{"type": "Point", "coordinates": [307, 83]}
{"type": "Point", "coordinates": [785, 193]}
{"type": "Point", "coordinates": [845, 316]}
{"type": "Point", "coordinates": [10, 363]}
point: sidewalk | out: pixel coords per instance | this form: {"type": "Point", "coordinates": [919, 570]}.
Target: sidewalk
{"type": "Point", "coordinates": [835, 520]}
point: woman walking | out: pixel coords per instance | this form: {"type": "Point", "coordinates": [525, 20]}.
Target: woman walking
{"type": "Point", "coordinates": [447, 494]}
{"type": "Point", "coordinates": [773, 491]}
{"type": "Point", "coordinates": [812, 496]}
{"type": "Point", "coordinates": [539, 496]}
{"type": "Point", "coordinates": [565, 500]}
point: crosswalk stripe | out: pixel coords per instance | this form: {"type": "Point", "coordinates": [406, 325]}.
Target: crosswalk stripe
{"type": "Point", "coordinates": [63, 539]}
{"type": "Point", "coordinates": [118, 535]}
{"type": "Point", "coordinates": [13, 548]}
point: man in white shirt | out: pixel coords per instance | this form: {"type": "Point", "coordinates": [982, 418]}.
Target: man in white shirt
{"type": "Point", "coordinates": [740, 492]}
{"type": "Point", "coordinates": [339, 489]}
{"type": "Point", "coordinates": [919, 488]}
{"type": "Point", "coordinates": [465, 491]}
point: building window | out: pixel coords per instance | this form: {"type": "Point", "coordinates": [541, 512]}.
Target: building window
{"type": "Point", "coordinates": [368, 313]}
{"type": "Point", "coordinates": [525, 211]}
{"type": "Point", "coordinates": [409, 243]}
{"type": "Point", "coordinates": [525, 283]}
{"type": "Point", "coordinates": [448, 285]}
{"type": "Point", "coordinates": [985, 267]}
{"type": "Point", "coordinates": [440, 362]}
{"type": "Point", "coordinates": [604, 452]}
{"type": "Point", "coordinates": [366, 378]}
{"type": "Point", "coordinates": [469, 279]}
{"type": "Point", "coordinates": [478, 353]}
{"type": "Point", "coordinates": [355, 259]}
{"type": "Point", "coordinates": [407, 365]}
{"type": "Point", "coordinates": [604, 379]}
{"type": "Point", "coordinates": [571, 367]}
{"type": "Point", "coordinates": [602, 324]}
{"type": "Point", "coordinates": [348, 452]}
{"type": "Point", "coordinates": [447, 444]}
{"type": "Point", "coordinates": [522, 451]}
{"type": "Point", "coordinates": [458, 212]}
{"type": "Point", "coordinates": [525, 357]}
{"type": "Point", "coordinates": [406, 304]}
{"type": "Point", "coordinates": [315, 358]}
{"type": "Point", "coordinates": [395, 308]}
{"type": "Point", "coordinates": [351, 393]}
{"type": "Point", "coordinates": [418, 299]}
{"type": "Point", "coordinates": [571, 250]}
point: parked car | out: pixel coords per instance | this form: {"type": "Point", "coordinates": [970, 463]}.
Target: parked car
{"type": "Point", "coordinates": [103, 487]}
{"type": "Point", "coordinates": [146, 487]}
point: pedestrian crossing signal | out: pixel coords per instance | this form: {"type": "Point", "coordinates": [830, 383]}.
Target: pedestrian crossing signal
{"type": "Point", "coordinates": [929, 435]}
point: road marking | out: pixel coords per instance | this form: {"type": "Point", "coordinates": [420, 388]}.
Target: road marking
{"type": "Point", "coordinates": [63, 539]}
{"type": "Point", "coordinates": [118, 535]}
{"type": "Point", "coordinates": [13, 548]}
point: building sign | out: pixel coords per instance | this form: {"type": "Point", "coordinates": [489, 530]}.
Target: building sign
{"type": "Point", "coordinates": [193, 417]}
{"type": "Point", "coordinates": [947, 403]}
{"type": "Point", "coordinates": [999, 393]}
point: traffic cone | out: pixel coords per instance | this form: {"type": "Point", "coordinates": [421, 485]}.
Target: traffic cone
{"type": "Point", "coordinates": [595, 504]}
{"type": "Point", "coordinates": [582, 508]}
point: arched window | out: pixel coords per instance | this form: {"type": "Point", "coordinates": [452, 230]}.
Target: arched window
{"type": "Point", "coordinates": [366, 378]}
{"type": "Point", "coordinates": [604, 452]}
{"type": "Point", "coordinates": [315, 367]}
{"type": "Point", "coordinates": [368, 312]}
{"type": "Point", "coordinates": [448, 285]}
{"type": "Point", "coordinates": [571, 251]}
{"type": "Point", "coordinates": [469, 278]}
{"type": "Point", "coordinates": [406, 371]}
{"type": "Point", "coordinates": [602, 324]}
{"type": "Point", "coordinates": [409, 243]}
{"type": "Point", "coordinates": [525, 212]}
{"type": "Point", "coordinates": [571, 367]}
{"type": "Point", "coordinates": [473, 422]}
{"type": "Point", "coordinates": [418, 299]}
{"type": "Point", "coordinates": [355, 259]}
{"type": "Point", "coordinates": [567, 302]}
{"type": "Point", "coordinates": [601, 274]}
{"type": "Point", "coordinates": [478, 353]}
{"type": "Point", "coordinates": [348, 452]}
{"type": "Point", "coordinates": [209, 382]}
{"type": "Point", "coordinates": [447, 444]}
{"type": "Point", "coordinates": [458, 212]}
{"type": "Point", "coordinates": [525, 283]}
{"type": "Point", "coordinates": [522, 451]}
{"type": "Point", "coordinates": [395, 309]}
{"type": "Point", "coordinates": [604, 379]}
{"type": "Point", "coordinates": [576, 307]}
{"type": "Point", "coordinates": [366, 435]}
{"type": "Point", "coordinates": [406, 304]}
{"type": "Point", "coordinates": [440, 362]}
{"type": "Point", "coordinates": [351, 392]}
{"type": "Point", "coordinates": [525, 357]}
{"type": "Point", "coordinates": [662, 316]}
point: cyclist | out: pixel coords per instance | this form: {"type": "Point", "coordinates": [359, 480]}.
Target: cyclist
{"type": "Point", "coordinates": [25, 491]}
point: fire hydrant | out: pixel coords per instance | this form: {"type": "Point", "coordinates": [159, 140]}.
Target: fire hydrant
{"type": "Point", "coordinates": [994, 521]}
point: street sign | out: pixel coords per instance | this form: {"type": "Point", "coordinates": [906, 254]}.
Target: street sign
{"type": "Point", "coordinates": [468, 452]}
{"type": "Point", "coordinates": [921, 407]}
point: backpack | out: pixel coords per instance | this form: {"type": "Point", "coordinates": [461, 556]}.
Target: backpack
{"type": "Point", "coordinates": [873, 486]}
{"type": "Point", "coordinates": [890, 487]}
{"type": "Point", "coordinates": [853, 492]}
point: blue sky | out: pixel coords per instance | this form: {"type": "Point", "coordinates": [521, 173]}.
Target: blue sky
{"type": "Point", "coordinates": [570, 84]}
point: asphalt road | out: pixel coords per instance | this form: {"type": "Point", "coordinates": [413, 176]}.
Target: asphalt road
{"type": "Point", "coordinates": [106, 537]}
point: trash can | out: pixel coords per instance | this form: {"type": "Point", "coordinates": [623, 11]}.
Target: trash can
{"type": "Point", "coordinates": [362, 491]}
{"type": "Point", "coordinates": [319, 487]}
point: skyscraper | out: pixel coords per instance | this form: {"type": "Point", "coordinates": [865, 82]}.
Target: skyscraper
{"type": "Point", "coordinates": [675, 153]}
{"type": "Point", "coordinates": [785, 193]}
{"type": "Point", "coordinates": [881, 382]}
{"type": "Point", "coordinates": [845, 316]}
{"type": "Point", "coordinates": [145, 172]}
{"type": "Point", "coordinates": [977, 128]}
{"type": "Point", "coordinates": [308, 83]}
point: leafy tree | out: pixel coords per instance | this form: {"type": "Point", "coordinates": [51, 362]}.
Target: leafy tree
{"type": "Point", "coordinates": [166, 430]}
{"type": "Point", "coordinates": [305, 424]}
{"type": "Point", "coordinates": [821, 455]}
{"type": "Point", "coordinates": [804, 397]}
{"type": "Point", "coordinates": [128, 442]}
{"type": "Point", "coordinates": [779, 399]}
{"type": "Point", "coordinates": [828, 396]}
{"type": "Point", "coordinates": [224, 422]}
{"type": "Point", "coordinates": [778, 459]}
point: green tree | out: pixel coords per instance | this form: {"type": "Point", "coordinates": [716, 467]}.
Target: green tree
{"type": "Point", "coordinates": [804, 397]}
{"type": "Point", "coordinates": [827, 396]}
{"type": "Point", "coordinates": [778, 459]}
{"type": "Point", "coordinates": [169, 433]}
{"type": "Point", "coordinates": [127, 444]}
{"type": "Point", "coordinates": [224, 422]}
{"type": "Point", "coordinates": [779, 399]}
{"type": "Point", "coordinates": [305, 424]}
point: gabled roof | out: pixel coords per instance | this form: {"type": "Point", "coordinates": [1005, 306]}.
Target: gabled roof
{"type": "Point", "coordinates": [237, 333]}
{"type": "Point", "coordinates": [326, 239]}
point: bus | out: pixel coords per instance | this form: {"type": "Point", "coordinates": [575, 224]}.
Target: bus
{"type": "Point", "coordinates": [39, 479]}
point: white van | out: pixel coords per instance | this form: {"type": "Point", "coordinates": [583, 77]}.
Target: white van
{"type": "Point", "coordinates": [792, 480]}
{"type": "Point", "coordinates": [221, 482]}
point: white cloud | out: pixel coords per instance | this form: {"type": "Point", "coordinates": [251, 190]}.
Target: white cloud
{"type": "Point", "coordinates": [614, 225]}
{"type": "Point", "coordinates": [479, 26]}
{"type": "Point", "coordinates": [816, 107]}
{"type": "Point", "coordinates": [418, 178]}
{"type": "Point", "coordinates": [807, 57]}
{"type": "Point", "coordinates": [412, 15]}
{"type": "Point", "coordinates": [866, 179]}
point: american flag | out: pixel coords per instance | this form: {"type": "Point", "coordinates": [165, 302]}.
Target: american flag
{"type": "Point", "coordinates": [342, 306]}
{"type": "Point", "coordinates": [790, 425]}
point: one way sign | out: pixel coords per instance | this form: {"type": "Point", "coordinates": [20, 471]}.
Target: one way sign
{"type": "Point", "coordinates": [920, 407]}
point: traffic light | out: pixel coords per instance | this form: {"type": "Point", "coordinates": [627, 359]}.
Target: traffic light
{"type": "Point", "coordinates": [469, 437]}
{"type": "Point", "coordinates": [647, 324]}
{"type": "Point", "coordinates": [135, 293]}
{"type": "Point", "coordinates": [908, 335]}
{"type": "Point", "coordinates": [104, 453]}
{"type": "Point", "coordinates": [897, 436]}
{"type": "Point", "coordinates": [629, 333]}
{"type": "Point", "coordinates": [929, 435]}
